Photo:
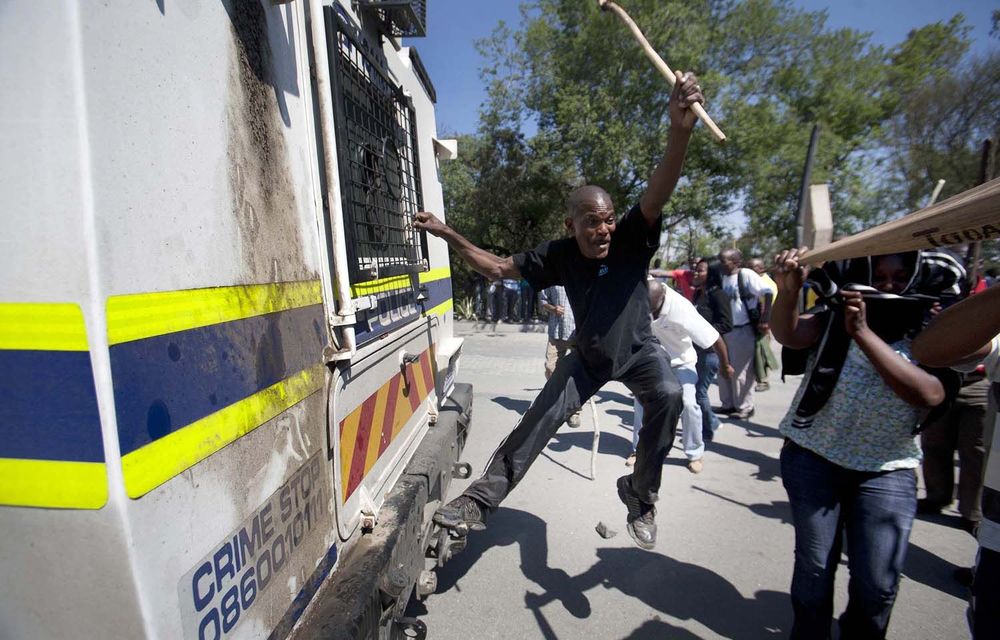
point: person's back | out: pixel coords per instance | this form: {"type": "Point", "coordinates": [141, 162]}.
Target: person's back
{"type": "Point", "coordinates": [679, 328]}
{"type": "Point", "coordinates": [561, 323]}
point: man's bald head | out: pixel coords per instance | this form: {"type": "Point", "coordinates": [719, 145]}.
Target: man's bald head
{"type": "Point", "coordinates": [590, 219]}
{"type": "Point", "coordinates": [656, 296]}
{"type": "Point", "coordinates": [731, 260]}
{"type": "Point", "coordinates": [731, 254]}
{"type": "Point", "coordinates": [587, 198]}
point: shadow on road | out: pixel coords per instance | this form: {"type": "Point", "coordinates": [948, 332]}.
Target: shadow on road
{"type": "Point", "coordinates": [658, 630]}
{"type": "Point", "coordinates": [754, 429]}
{"type": "Point", "coordinates": [604, 396]}
{"type": "Point", "coordinates": [776, 510]}
{"type": "Point", "coordinates": [528, 531]}
{"type": "Point", "coordinates": [512, 404]}
{"type": "Point", "coordinates": [610, 443]}
{"type": "Point", "coordinates": [934, 571]}
{"type": "Point", "coordinates": [677, 589]}
{"type": "Point", "coordinates": [768, 468]}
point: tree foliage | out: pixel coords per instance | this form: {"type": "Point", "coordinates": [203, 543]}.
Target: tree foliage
{"type": "Point", "coordinates": [505, 193]}
{"type": "Point", "coordinates": [940, 130]}
{"type": "Point", "coordinates": [890, 117]}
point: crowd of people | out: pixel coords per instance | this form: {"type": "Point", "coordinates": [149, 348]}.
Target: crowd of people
{"type": "Point", "coordinates": [879, 361]}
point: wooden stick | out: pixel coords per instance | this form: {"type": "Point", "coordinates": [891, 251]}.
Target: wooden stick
{"type": "Point", "coordinates": [595, 444]}
{"type": "Point", "coordinates": [661, 65]}
{"type": "Point", "coordinates": [971, 216]}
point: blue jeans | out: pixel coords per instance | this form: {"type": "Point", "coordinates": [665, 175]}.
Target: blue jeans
{"type": "Point", "coordinates": [985, 595]}
{"type": "Point", "coordinates": [874, 512]}
{"type": "Point", "coordinates": [708, 369]}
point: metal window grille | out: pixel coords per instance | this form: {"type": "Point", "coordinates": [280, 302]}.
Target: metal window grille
{"type": "Point", "coordinates": [399, 18]}
{"type": "Point", "coordinates": [377, 152]}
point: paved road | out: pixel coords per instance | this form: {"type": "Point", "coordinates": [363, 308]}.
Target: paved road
{"type": "Point", "coordinates": [723, 561]}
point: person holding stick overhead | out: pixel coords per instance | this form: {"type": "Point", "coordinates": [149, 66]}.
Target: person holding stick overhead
{"type": "Point", "coordinates": [850, 455]}
{"type": "Point", "coordinates": [603, 266]}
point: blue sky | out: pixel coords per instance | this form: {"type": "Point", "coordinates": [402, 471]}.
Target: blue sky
{"type": "Point", "coordinates": [453, 26]}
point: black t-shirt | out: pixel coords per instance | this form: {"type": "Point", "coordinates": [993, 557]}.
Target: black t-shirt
{"type": "Point", "coordinates": [609, 297]}
{"type": "Point", "coordinates": [714, 306]}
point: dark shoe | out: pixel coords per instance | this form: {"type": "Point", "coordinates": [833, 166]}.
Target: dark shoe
{"type": "Point", "coordinates": [461, 515]}
{"type": "Point", "coordinates": [641, 520]}
{"type": "Point", "coordinates": [970, 526]}
{"type": "Point", "coordinates": [927, 508]}
{"type": "Point", "coordinates": [724, 411]}
{"type": "Point", "coordinates": [963, 575]}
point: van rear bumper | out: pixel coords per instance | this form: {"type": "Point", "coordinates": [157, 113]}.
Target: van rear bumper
{"type": "Point", "coordinates": [372, 583]}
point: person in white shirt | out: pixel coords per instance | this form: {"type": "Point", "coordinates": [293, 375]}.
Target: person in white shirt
{"type": "Point", "coordinates": [751, 299]}
{"type": "Point", "coordinates": [678, 326]}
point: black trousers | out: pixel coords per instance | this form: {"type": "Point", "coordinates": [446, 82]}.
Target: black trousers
{"type": "Point", "coordinates": [650, 379]}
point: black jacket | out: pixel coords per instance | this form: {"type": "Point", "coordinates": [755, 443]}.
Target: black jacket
{"type": "Point", "coordinates": [714, 306]}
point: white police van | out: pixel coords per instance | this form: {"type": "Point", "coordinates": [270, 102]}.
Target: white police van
{"type": "Point", "coordinates": [227, 366]}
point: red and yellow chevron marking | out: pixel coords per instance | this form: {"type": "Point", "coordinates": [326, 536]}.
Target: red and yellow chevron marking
{"type": "Point", "coordinates": [367, 431]}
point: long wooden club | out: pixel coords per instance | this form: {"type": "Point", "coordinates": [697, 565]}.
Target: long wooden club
{"type": "Point", "coordinates": [660, 64]}
{"type": "Point", "coordinates": [971, 216]}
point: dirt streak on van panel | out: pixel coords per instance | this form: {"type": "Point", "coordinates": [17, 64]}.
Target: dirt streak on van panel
{"type": "Point", "coordinates": [263, 196]}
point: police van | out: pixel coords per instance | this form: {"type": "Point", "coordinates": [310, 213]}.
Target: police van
{"type": "Point", "coordinates": [228, 396]}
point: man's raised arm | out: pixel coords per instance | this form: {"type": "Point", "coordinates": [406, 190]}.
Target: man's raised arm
{"type": "Point", "coordinates": [492, 266]}
{"type": "Point", "coordinates": [682, 120]}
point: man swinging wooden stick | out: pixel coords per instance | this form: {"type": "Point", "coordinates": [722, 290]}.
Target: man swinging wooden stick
{"type": "Point", "coordinates": [660, 64]}
{"type": "Point", "coordinates": [603, 267]}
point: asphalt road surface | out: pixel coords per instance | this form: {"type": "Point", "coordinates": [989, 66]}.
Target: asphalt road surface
{"type": "Point", "coordinates": [723, 560]}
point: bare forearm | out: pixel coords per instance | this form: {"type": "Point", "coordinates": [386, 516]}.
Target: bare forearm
{"type": "Point", "coordinates": [961, 333]}
{"type": "Point", "coordinates": [722, 352]}
{"type": "Point", "coordinates": [492, 266]}
{"type": "Point", "coordinates": [765, 314]}
{"type": "Point", "coordinates": [915, 386]}
{"type": "Point", "coordinates": [790, 329]}
{"type": "Point", "coordinates": [664, 178]}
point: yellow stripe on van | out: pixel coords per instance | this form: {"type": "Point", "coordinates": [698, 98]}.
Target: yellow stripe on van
{"type": "Point", "coordinates": [55, 484]}
{"type": "Point", "coordinates": [380, 285]}
{"type": "Point", "coordinates": [435, 274]}
{"type": "Point", "coordinates": [42, 327]}
{"type": "Point", "coordinates": [143, 315]}
{"type": "Point", "coordinates": [398, 282]}
{"type": "Point", "coordinates": [150, 466]}
{"type": "Point", "coordinates": [442, 308]}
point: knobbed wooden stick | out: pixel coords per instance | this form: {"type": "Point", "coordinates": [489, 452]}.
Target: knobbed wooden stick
{"type": "Point", "coordinates": [970, 216]}
{"type": "Point", "coordinates": [660, 65]}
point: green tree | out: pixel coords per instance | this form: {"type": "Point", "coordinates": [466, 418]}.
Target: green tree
{"type": "Point", "coordinates": [770, 71]}
{"type": "Point", "coordinates": [940, 130]}
{"type": "Point", "coordinates": [503, 193]}
{"type": "Point", "coordinates": [603, 108]}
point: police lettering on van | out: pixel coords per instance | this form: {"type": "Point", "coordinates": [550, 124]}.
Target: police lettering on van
{"type": "Point", "coordinates": [219, 591]}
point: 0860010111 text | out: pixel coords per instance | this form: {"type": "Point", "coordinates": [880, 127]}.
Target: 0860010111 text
{"type": "Point", "coordinates": [218, 592]}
